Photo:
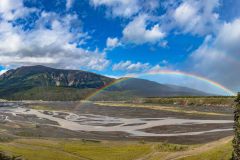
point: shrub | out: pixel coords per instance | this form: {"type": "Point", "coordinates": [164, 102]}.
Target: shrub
{"type": "Point", "coordinates": [5, 157]}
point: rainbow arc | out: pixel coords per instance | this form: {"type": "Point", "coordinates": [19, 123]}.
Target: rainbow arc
{"type": "Point", "coordinates": [164, 72]}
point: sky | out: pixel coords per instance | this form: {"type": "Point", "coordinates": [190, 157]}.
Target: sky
{"type": "Point", "coordinates": [127, 37]}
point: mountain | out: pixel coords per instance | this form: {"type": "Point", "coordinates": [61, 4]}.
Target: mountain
{"type": "Point", "coordinates": [40, 82]}
{"type": "Point", "coordinates": [147, 88]}
{"type": "Point", "coordinates": [44, 83]}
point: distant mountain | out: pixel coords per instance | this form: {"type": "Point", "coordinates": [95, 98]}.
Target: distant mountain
{"type": "Point", "coordinates": [146, 88]}
{"type": "Point", "coordinates": [44, 83]}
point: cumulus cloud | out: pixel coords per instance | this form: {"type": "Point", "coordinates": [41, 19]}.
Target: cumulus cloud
{"type": "Point", "coordinates": [185, 12]}
{"type": "Point", "coordinates": [112, 42]}
{"type": "Point", "coordinates": [156, 68]}
{"type": "Point", "coordinates": [69, 4]}
{"type": "Point", "coordinates": [126, 8]}
{"type": "Point", "coordinates": [137, 31]}
{"type": "Point", "coordinates": [130, 67]}
{"type": "Point", "coordinates": [229, 37]}
{"type": "Point", "coordinates": [54, 41]}
{"type": "Point", "coordinates": [11, 10]}
{"type": "Point", "coordinates": [138, 67]}
{"type": "Point", "coordinates": [218, 57]}
{"type": "Point", "coordinates": [195, 16]}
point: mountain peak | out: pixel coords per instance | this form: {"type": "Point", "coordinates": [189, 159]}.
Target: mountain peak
{"type": "Point", "coordinates": [28, 77]}
{"type": "Point", "coordinates": [41, 82]}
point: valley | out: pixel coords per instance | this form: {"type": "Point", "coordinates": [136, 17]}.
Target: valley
{"type": "Point", "coordinates": [152, 131]}
{"type": "Point", "coordinates": [53, 114]}
{"type": "Point", "coordinates": [119, 80]}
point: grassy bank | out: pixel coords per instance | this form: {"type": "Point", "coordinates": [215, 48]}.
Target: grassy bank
{"type": "Point", "coordinates": [54, 149]}
{"type": "Point", "coordinates": [222, 152]}
{"type": "Point", "coordinates": [39, 149]}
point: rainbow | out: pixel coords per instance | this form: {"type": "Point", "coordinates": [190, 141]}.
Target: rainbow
{"type": "Point", "coordinates": [200, 78]}
{"type": "Point", "coordinates": [164, 72]}
{"type": "Point", "coordinates": [106, 87]}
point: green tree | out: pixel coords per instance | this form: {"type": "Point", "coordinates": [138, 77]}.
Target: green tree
{"type": "Point", "coordinates": [236, 140]}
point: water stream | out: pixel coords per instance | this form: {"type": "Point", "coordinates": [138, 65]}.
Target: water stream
{"type": "Point", "coordinates": [133, 126]}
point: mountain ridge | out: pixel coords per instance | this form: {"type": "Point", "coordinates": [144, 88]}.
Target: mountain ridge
{"type": "Point", "coordinates": [45, 83]}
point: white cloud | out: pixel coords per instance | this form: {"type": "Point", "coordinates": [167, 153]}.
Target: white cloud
{"type": "Point", "coordinates": [184, 13]}
{"type": "Point", "coordinates": [3, 71]}
{"type": "Point", "coordinates": [126, 8]}
{"type": "Point", "coordinates": [56, 45]}
{"type": "Point", "coordinates": [159, 67]}
{"type": "Point", "coordinates": [137, 31]}
{"type": "Point", "coordinates": [196, 16]}
{"type": "Point", "coordinates": [112, 42]}
{"type": "Point", "coordinates": [13, 9]}
{"type": "Point", "coordinates": [113, 76]}
{"type": "Point", "coordinates": [69, 4]}
{"type": "Point", "coordinates": [228, 38]}
{"type": "Point", "coordinates": [137, 67]}
{"type": "Point", "coordinates": [218, 57]}
{"type": "Point", "coordinates": [128, 66]}
{"type": "Point", "coordinates": [155, 68]}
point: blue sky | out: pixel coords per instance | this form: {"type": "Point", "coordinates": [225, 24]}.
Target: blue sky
{"type": "Point", "coordinates": [126, 37]}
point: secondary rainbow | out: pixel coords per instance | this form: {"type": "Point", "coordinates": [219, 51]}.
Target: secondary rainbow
{"type": "Point", "coordinates": [164, 72]}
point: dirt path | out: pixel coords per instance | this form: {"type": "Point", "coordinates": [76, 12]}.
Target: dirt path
{"type": "Point", "coordinates": [148, 156]}
{"type": "Point", "coordinates": [198, 150]}
{"type": "Point", "coordinates": [181, 154]}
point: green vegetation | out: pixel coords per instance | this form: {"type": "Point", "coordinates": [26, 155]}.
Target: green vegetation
{"type": "Point", "coordinates": [51, 93]}
{"type": "Point", "coordinates": [196, 101]}
{"type": "Point", "coordinates": [43, 83]}
{"type": "Point", "coordinates": [158, 107]}
{"type": "Point", "coordinates": [5, 138]}
{"type": "Point", "coordinates": [236, 140]}
{"type": "Point", "coordinates": [65, 149]}
{"type": "Point", "coordinates": [46, 108]}
{"type": "Point", "coordinates": [75, 150]}
{"type": "Point", "coordinates": [167, 147]}
{"type": "Point", "coordinates": [6, 157]}
{"type": "Point", "coordinates": [218, 150]}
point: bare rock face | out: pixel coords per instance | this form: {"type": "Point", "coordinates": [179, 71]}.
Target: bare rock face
{"type": "Point", "coordinates": [236, 140]}
{"type": "Point", "coordinates": [45, 83]}
{"type": "Point", "coordinates": [41, 76]}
